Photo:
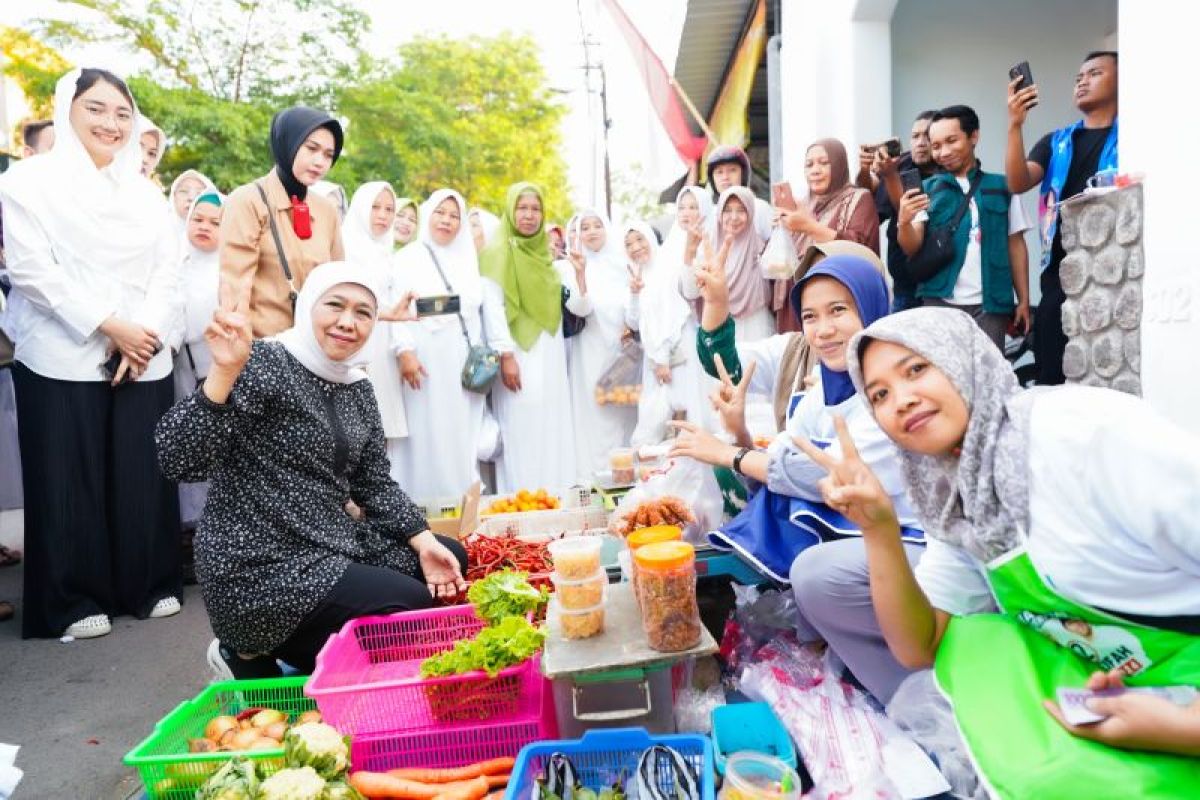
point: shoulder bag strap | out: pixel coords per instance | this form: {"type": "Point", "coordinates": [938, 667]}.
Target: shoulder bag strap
{"type": "Point", "coordinates": [966, 201]}
{"type": "Point", "coordinates": [287, 273]}
{"type": "Point", "coordinates": [449, 290]}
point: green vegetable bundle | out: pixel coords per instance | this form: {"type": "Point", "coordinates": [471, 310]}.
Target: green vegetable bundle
{"type": "Point", "coordinates": [494, 648]}
{"type": "Point", "coordinates": [506, 593]}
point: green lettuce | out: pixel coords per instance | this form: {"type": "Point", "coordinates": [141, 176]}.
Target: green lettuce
{"type": "Point", "coordinates": [498, 647]}
{"type": "Point", "coordinates": [506, 593]}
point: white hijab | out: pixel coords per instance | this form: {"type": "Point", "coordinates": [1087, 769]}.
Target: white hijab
{"type": "Point", "coordinates": [664, 311]}
{"type": "Point", "coordinates": [301, 341]}
{"type": "Point", "coordinates": [106, 219]}
{"type": "Point", "coordinates": [179, 225]}
{"type": "Point", "coordinates": [608, 267]}
{"type": "Point", "coordinates": [676, 241]}
{"type": "Point", "coordinates": [200, 277]}
{"type": "Point", "coordinates": [362, 247]}
{"type": "Point", "coordinates": [488, 221]}
{"type": "Point", "coordinates": [457, 258]}
{"type": "Point", "coordinates": [146, 125]}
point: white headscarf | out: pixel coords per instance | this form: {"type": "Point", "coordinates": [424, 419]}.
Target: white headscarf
{"type": "Point", "coordinates": [180, 224]}
{"type": "Point", "coordinates": [457, 258]}
{"type": "Point", "coordinates": [673, 246]}
{"type": "Point", "coordinates": [105, 219]}
{"type": "Point", "coordinates": [607, 268]}
{"type": "Point", "coordinates": [488, 221]}
{"type": "Point", "coordinates": [200, 277]}
{"type": "Point", "coordinates": [335, 193]}
{"type": "Point", "coordinates": [301, 341]}
{"type": "Point", "coordinates": [664, 311]}
{"type": "Point", "coordinates": [363, 247]}
{"type": "Point", "coordinates": [146, 125]}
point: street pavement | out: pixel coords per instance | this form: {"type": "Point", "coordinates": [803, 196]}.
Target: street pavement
{"type": "Point", "coordinates": [77, 708]}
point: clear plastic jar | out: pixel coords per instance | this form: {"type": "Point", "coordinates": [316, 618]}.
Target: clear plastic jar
{"type": "Point", "coordinates": [757, 776]}
{"type": "Point", "coordinates": [580, 623]}
{"type": "Point", "coordinates": [642, 537]}
{"type": "Point", "coordinates": [574, 595]}
{"type": "Point", "coordinates": [576, 557]}
{"type": "Point", "coordinates": [666, 589]}
{"type": "Point", "coordinates": [620, 461]}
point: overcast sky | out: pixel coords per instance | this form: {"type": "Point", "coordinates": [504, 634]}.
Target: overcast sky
{"type": "Point", "coordinates": [636, 136]}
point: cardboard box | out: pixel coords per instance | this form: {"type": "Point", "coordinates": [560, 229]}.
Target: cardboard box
{"type": "Point", "coordinates": [467, 522]}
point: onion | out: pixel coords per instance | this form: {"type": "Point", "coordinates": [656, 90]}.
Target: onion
{"type": "Point", "coordinates": [243, 739]}
{"type": "Point", "coordinates": [201, 746]}
{"type": "Point", "coordinates": [309, 716]}
{"type": "Point", "coordinates": [275, 730]}
{"type": "Point", "coordinates": [267, 716]}
{"type": "Point", "coordinates": [263, 743]}
{"type": "Point", "coordinates": [217, 727]}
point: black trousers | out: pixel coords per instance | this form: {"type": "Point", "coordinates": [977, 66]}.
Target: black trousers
{"type": "Point", "coordinates": [362, 592]}
{"type": "Point", "coordinates": [1049, 341]}
{"type": "Point", "coordinates": [101, 522]}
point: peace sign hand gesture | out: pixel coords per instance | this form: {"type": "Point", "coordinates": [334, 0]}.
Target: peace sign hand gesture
{"type": "Point", "coordinates": [851, 488]}
{"type": "Point", "coordinates": [229, 335]}
{"type": "Point", "coordinates": [729, 400]}
{"type": "Point", "coordinates": [636, 283]}
{"type": "Point", "coordinates": [711, 276]}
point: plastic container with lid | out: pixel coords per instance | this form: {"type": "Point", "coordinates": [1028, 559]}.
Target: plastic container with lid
{"type": "Point", "coordinates": [580, 623]}
{"type": "Point", "coordinates": [665, 575]}
{"type": "Point", "coordinates": [644, 536]}
{"type": "Point", "coordinates": [754, 776]}
{"type": "Point", "coordinates": [581, 593]}
{"type": "Point", "coordinates": [620, 461]}
{"type": "Point", "coordinates": [576, 557]}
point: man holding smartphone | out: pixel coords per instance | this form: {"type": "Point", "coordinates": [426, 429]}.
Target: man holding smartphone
{"type": "Point", "coordinates": [1061, 162]}
{"type": "Point", "coordinates": [880, 173]}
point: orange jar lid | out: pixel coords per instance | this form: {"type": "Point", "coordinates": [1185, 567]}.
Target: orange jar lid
{"type": "Point", "coordinates": [656, 533]}
{"type": "Point", "coordinates": [664, 556]}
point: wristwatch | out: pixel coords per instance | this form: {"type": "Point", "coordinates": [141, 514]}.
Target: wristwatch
{"type": "Point", "coordinates": [737, 460]}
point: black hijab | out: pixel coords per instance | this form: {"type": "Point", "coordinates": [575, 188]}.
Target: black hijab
{"type": "Point", "coordinates": [289, 129]}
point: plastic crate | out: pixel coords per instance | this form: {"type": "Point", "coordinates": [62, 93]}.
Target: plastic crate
{"type": "Point", "coordinates": [750, 726]}
{"type": "Point", "coordinates": [367, 677]}
{"type": "Point", "coordinates": [555, 522]}
{"type": "Point", "coordinates": [169, 772]}
{"type": "Point", "coordinates": [604, 756]}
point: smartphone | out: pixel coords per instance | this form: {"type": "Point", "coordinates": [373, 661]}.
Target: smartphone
{"type": "Point", "coordinates": [910, 179]}
{"type": "Point", "coordinates": [438, 305]}
{"type": "Point", "coordinates": [782, 197]}
{"type": "Point", "coordinates": [1023, 72]}
{"type": "Point", "coordinates": [893, 147]}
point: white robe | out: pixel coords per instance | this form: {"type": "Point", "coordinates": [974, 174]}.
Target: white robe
{"type": "Point", "coordinates": [438, 458]}
{"type": "Point", "coordinates": [537, 442]}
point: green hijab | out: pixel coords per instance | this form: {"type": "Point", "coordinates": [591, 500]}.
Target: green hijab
{"type": "Point", "coordinates": [521, 266]}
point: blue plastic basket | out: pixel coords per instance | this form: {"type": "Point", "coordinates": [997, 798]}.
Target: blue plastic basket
{"type": "Point", "coordinates": [750, 726]}
{"type": "Point", "coordinates": [604, 756]}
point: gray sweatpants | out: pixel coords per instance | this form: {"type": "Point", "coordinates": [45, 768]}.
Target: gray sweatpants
{"type": "Point", "coordinates": [833, 594]}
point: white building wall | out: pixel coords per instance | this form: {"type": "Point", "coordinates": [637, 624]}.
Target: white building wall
{"type": "Point", "coordinates": [1154, 42]}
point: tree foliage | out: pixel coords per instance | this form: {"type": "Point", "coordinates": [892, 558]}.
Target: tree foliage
{"type": "Point", "coordinates": [34, 65]}
{"type": "Point", "coordinates": [474, 114]}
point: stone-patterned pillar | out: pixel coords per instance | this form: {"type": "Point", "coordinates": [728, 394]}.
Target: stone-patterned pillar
{"type": "Point", "coordinates": [1102, 278]}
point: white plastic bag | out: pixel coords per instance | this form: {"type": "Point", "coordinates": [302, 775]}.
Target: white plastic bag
{"type": "Point", "coordinates": [779, 260]}
{"type": "Point", "coordinates": [923, 712]}
{"type": "Point", "coordinates": [654, 412]}
{"type": "Point", "coordinates": [690, 481]}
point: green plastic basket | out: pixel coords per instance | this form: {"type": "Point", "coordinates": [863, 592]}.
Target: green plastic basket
{"type": "Point", "coordinates": [169, 772]}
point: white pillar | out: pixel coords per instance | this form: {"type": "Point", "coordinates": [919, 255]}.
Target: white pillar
{"type": "Point", "coordinates": [1151, 41]}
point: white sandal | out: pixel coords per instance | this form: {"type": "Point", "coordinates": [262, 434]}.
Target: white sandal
{"type": "Point", "coordinates": [90, 627]}
{"type": "Point", "coordinates": [166, 607]}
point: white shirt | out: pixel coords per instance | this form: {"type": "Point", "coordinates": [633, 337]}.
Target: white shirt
{"type": "Point", "coordinates": [968, 290]}
{"type": "Point", "coordinates": [57, 305]}
{"type": "Point", "coordinates": [1114, 493]}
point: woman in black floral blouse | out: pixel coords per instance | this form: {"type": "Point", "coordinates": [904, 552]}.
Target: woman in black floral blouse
{"type": "Point", "coordinates": [288, 431]}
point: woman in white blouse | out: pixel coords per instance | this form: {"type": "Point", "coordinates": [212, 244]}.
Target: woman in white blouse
{"type": "Point", "coordinates": [95, 293]}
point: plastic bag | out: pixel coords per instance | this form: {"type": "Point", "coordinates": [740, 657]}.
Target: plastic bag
{"type": "Point", "coordinates": [779, 261]}
{"type": "Point", "coordinates": [654, 412]}
{"type": "Point", "coordinates": [686, 479]}
{"type": "Point", "coordinates": [758, 619]}
{"type": "Point", "coordinates": [694, 707]}
{"type": "Point", "coordinates": [921, 711]}
{"type": "Point", "coordinates": [621, 382]}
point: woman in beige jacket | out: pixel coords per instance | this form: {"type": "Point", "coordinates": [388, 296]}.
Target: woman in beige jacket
{"type": "Point", "coordinates": [305, 143]}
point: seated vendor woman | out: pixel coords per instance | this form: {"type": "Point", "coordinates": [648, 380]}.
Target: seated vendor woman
{"type": "Point", "coordinates": [786, 531]}
{"type": "Point", "coordinates": [1063, 539]}
{"type": "Point", "coordinates": [288, 431]}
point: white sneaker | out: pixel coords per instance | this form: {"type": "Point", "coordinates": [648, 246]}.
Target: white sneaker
{"type": "Point", "coordinates": [217, 663]}
{"type": "Point", "coordinates": [167, 607]}
{"type": "Point", "coordinates": [90, 627]}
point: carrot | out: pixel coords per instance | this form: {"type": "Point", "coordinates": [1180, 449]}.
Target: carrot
{"type": "Point", "coordinates": [495, 766]}
{"type": "Point", "coordinates": [474, 789]}
{"type": "Point", "coordinates": [381, 785]}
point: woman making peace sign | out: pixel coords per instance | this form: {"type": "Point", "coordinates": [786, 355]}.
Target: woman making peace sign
{"type": "Point", "coordinates": [1094, 564]}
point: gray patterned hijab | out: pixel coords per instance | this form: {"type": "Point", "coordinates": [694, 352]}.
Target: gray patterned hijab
{"type": "Point", "coordinates": [979, 499]}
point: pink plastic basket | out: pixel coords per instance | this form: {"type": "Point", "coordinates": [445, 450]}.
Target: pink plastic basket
{"type": "Point", "coordinates": [367, 677]}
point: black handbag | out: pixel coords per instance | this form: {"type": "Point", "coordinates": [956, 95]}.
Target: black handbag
{"type": "Point", "coordinates": [937, 249]}
{"type": "Point", "coordinates": [572, 324]}
{"type": "Point", "coordinates": [482, 366]}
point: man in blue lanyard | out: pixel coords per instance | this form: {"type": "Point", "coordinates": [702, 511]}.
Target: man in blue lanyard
{"type": "Point", "coordinates": [1061, 162]}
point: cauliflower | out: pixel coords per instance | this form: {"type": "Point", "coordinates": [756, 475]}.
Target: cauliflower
{"type": "Point", "coordinates": [317, 745]}
{"type": "Point", "coordinates": [340, 790]}
{"type": "Point", "coordinates": [236, 780]}
{"type": "Point", "coordinates": [301, 783]}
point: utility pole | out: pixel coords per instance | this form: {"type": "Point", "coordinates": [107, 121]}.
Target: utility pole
{"type": "Point", "coordinates": [606, 123]}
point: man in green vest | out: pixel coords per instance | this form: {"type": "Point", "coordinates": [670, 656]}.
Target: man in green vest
{"type": "Point", "coordinates": [989, 275]}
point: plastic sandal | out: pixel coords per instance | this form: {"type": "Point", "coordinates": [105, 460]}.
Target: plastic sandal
{"type": "Point", "coordinates": [90, 627]}
{"type": "Point", "coordinates": [166, 607]}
